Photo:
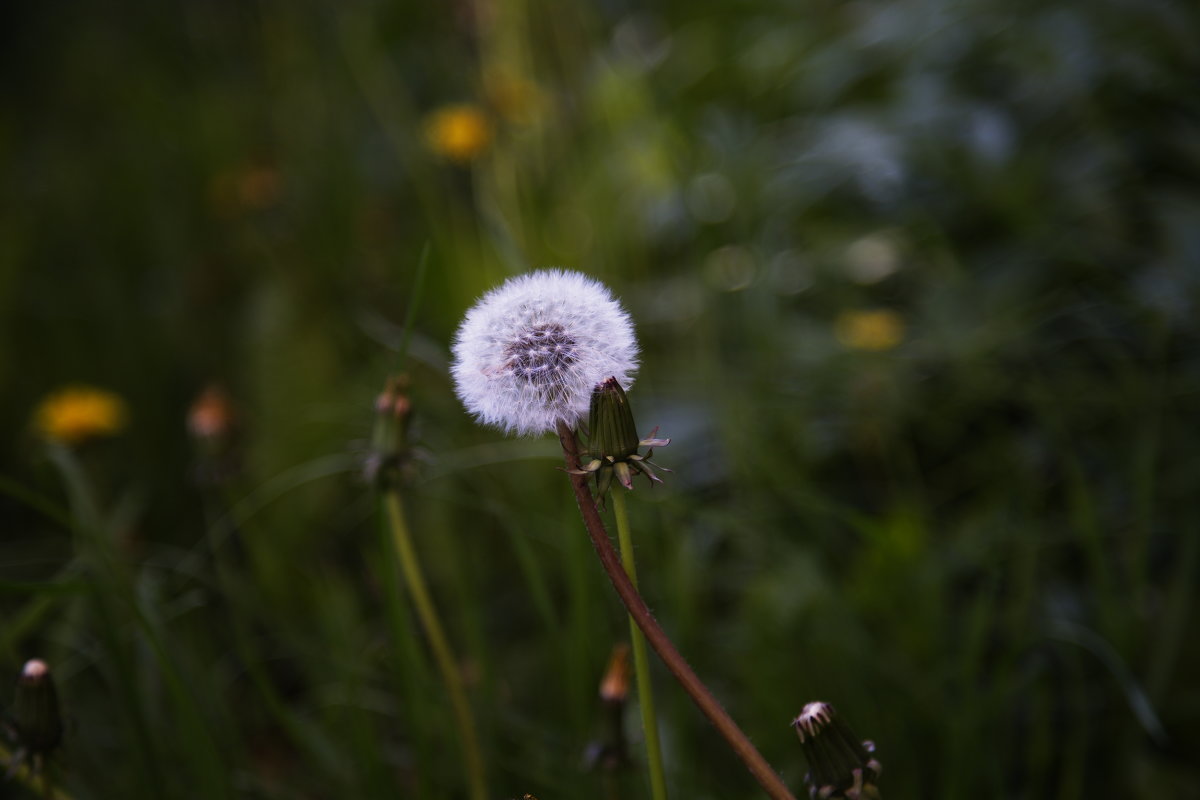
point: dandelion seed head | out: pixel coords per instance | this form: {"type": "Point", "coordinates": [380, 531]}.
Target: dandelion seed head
{"type": "Point", "coordinates": [528, 354]}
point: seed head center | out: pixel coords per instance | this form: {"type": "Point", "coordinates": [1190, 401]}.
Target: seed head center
{"type": "Point", "coordinates": [541, 353]}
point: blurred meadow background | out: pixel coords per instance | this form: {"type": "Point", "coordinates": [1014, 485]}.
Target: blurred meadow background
{"type": "Point", "coordinates": [916, 286]}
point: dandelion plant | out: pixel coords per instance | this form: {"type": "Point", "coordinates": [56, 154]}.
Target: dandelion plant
{"type": "Point", "coordinates": [528, 358]}
{"type": "Point", "coordinates": [35, 728]}
{"type": "Point", "coordinates": [386, 467]}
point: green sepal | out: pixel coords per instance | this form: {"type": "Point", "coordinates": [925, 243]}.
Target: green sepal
{"type": "Point", "coordinates": [614, 434]}
{"type": "Point", "coordinates": [613, 441]}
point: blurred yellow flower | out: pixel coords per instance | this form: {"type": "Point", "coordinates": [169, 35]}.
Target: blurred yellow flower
{"type": "Point", "coordinates": [75, 413]}
{"type": "Point", "coordinates": [458, 132]}
{"type": "Point", "coordinates": [869, 330]}
{"type": "Point", "coordinates": [518, 100]}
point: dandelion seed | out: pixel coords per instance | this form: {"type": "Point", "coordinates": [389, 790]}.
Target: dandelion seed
{"type": "Point", "coordinates": [528, 354]}
{"type": "Point", "coordinates": [77, 413]}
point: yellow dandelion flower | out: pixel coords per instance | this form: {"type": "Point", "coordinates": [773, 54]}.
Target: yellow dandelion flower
{"type": "Point", "coordinates": [76, 413]}
{"type": "Point", "coordinates": [869, 330]}
{"type": "Point", "coordinates": [458, 133]}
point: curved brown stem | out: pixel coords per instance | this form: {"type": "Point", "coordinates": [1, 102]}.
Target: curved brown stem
{"type": "Point", "coordinates": [640, 613]}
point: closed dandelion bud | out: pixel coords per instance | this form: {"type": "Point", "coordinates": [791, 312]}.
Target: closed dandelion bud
{"type": "Point", "coordinates": [613, 447]}
{"type": "Point", "coordinates": [614, 436]}
{"type": "Point", "coordinates": [36, 716]}
{"type": "Point", "coordinates": [389, 438]}
{"type": "Point", "coordinates": [840, 765]}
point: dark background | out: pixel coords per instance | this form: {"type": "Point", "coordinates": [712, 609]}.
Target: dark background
{"type": "Point", "coordinates": [974, 532]}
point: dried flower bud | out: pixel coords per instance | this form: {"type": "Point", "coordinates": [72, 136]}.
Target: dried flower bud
{"type": "Point", "coordinates": [389, 438]}
{"type": "Point", "coordinates": [36, 716]}
{"type": "Point", "coordinates": [212, 423]}
{"type": "Point", "coordinates": [839, 764]}
{"type": "Point", "coordinates": [610, 750]}
{"type": "Point", "coordinates": [613, 445]}
{"type": "Point", "coordinates": [614, 688]}
{"type": "Point", "coordinates": [211, 416]}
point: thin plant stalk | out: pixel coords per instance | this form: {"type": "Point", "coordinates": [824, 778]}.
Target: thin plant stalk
{"type": "Point", "coordinates": [641, 663]}
{"type": "Point", "coordinates": [28, 776]}
{"type": "Point", "coordinates": [415, 579]}
{"type": "Point", "coordinates": [767, 778]}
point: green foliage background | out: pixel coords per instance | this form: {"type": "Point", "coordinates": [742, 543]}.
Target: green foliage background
{"type": "Point", "coordinates": [980, 545]}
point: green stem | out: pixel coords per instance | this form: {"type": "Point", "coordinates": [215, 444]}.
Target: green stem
{"type": "Point", "coordinates": [641, 663]}
{"type": "Point", "coordinates": [766, 776]}
{"type": "Point", "coordinates": [28, 776]}
{"type": "Point", "coordinates": [437, 642]}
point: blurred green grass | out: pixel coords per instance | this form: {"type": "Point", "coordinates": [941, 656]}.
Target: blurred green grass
{"type": "Point", "coordinates": [977, 541]}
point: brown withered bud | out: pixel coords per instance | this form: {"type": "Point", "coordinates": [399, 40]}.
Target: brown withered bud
{"type": "Point", "coordinates": [389, 437]}
{"type": "Point", "coordinates": [614, 688]}
{"type": "Point", "coordinates": [211, 416]}
{"type": "Point", "coordinates": [212, 423]}
{"type": "Point", "coordinates": [610, 751]}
